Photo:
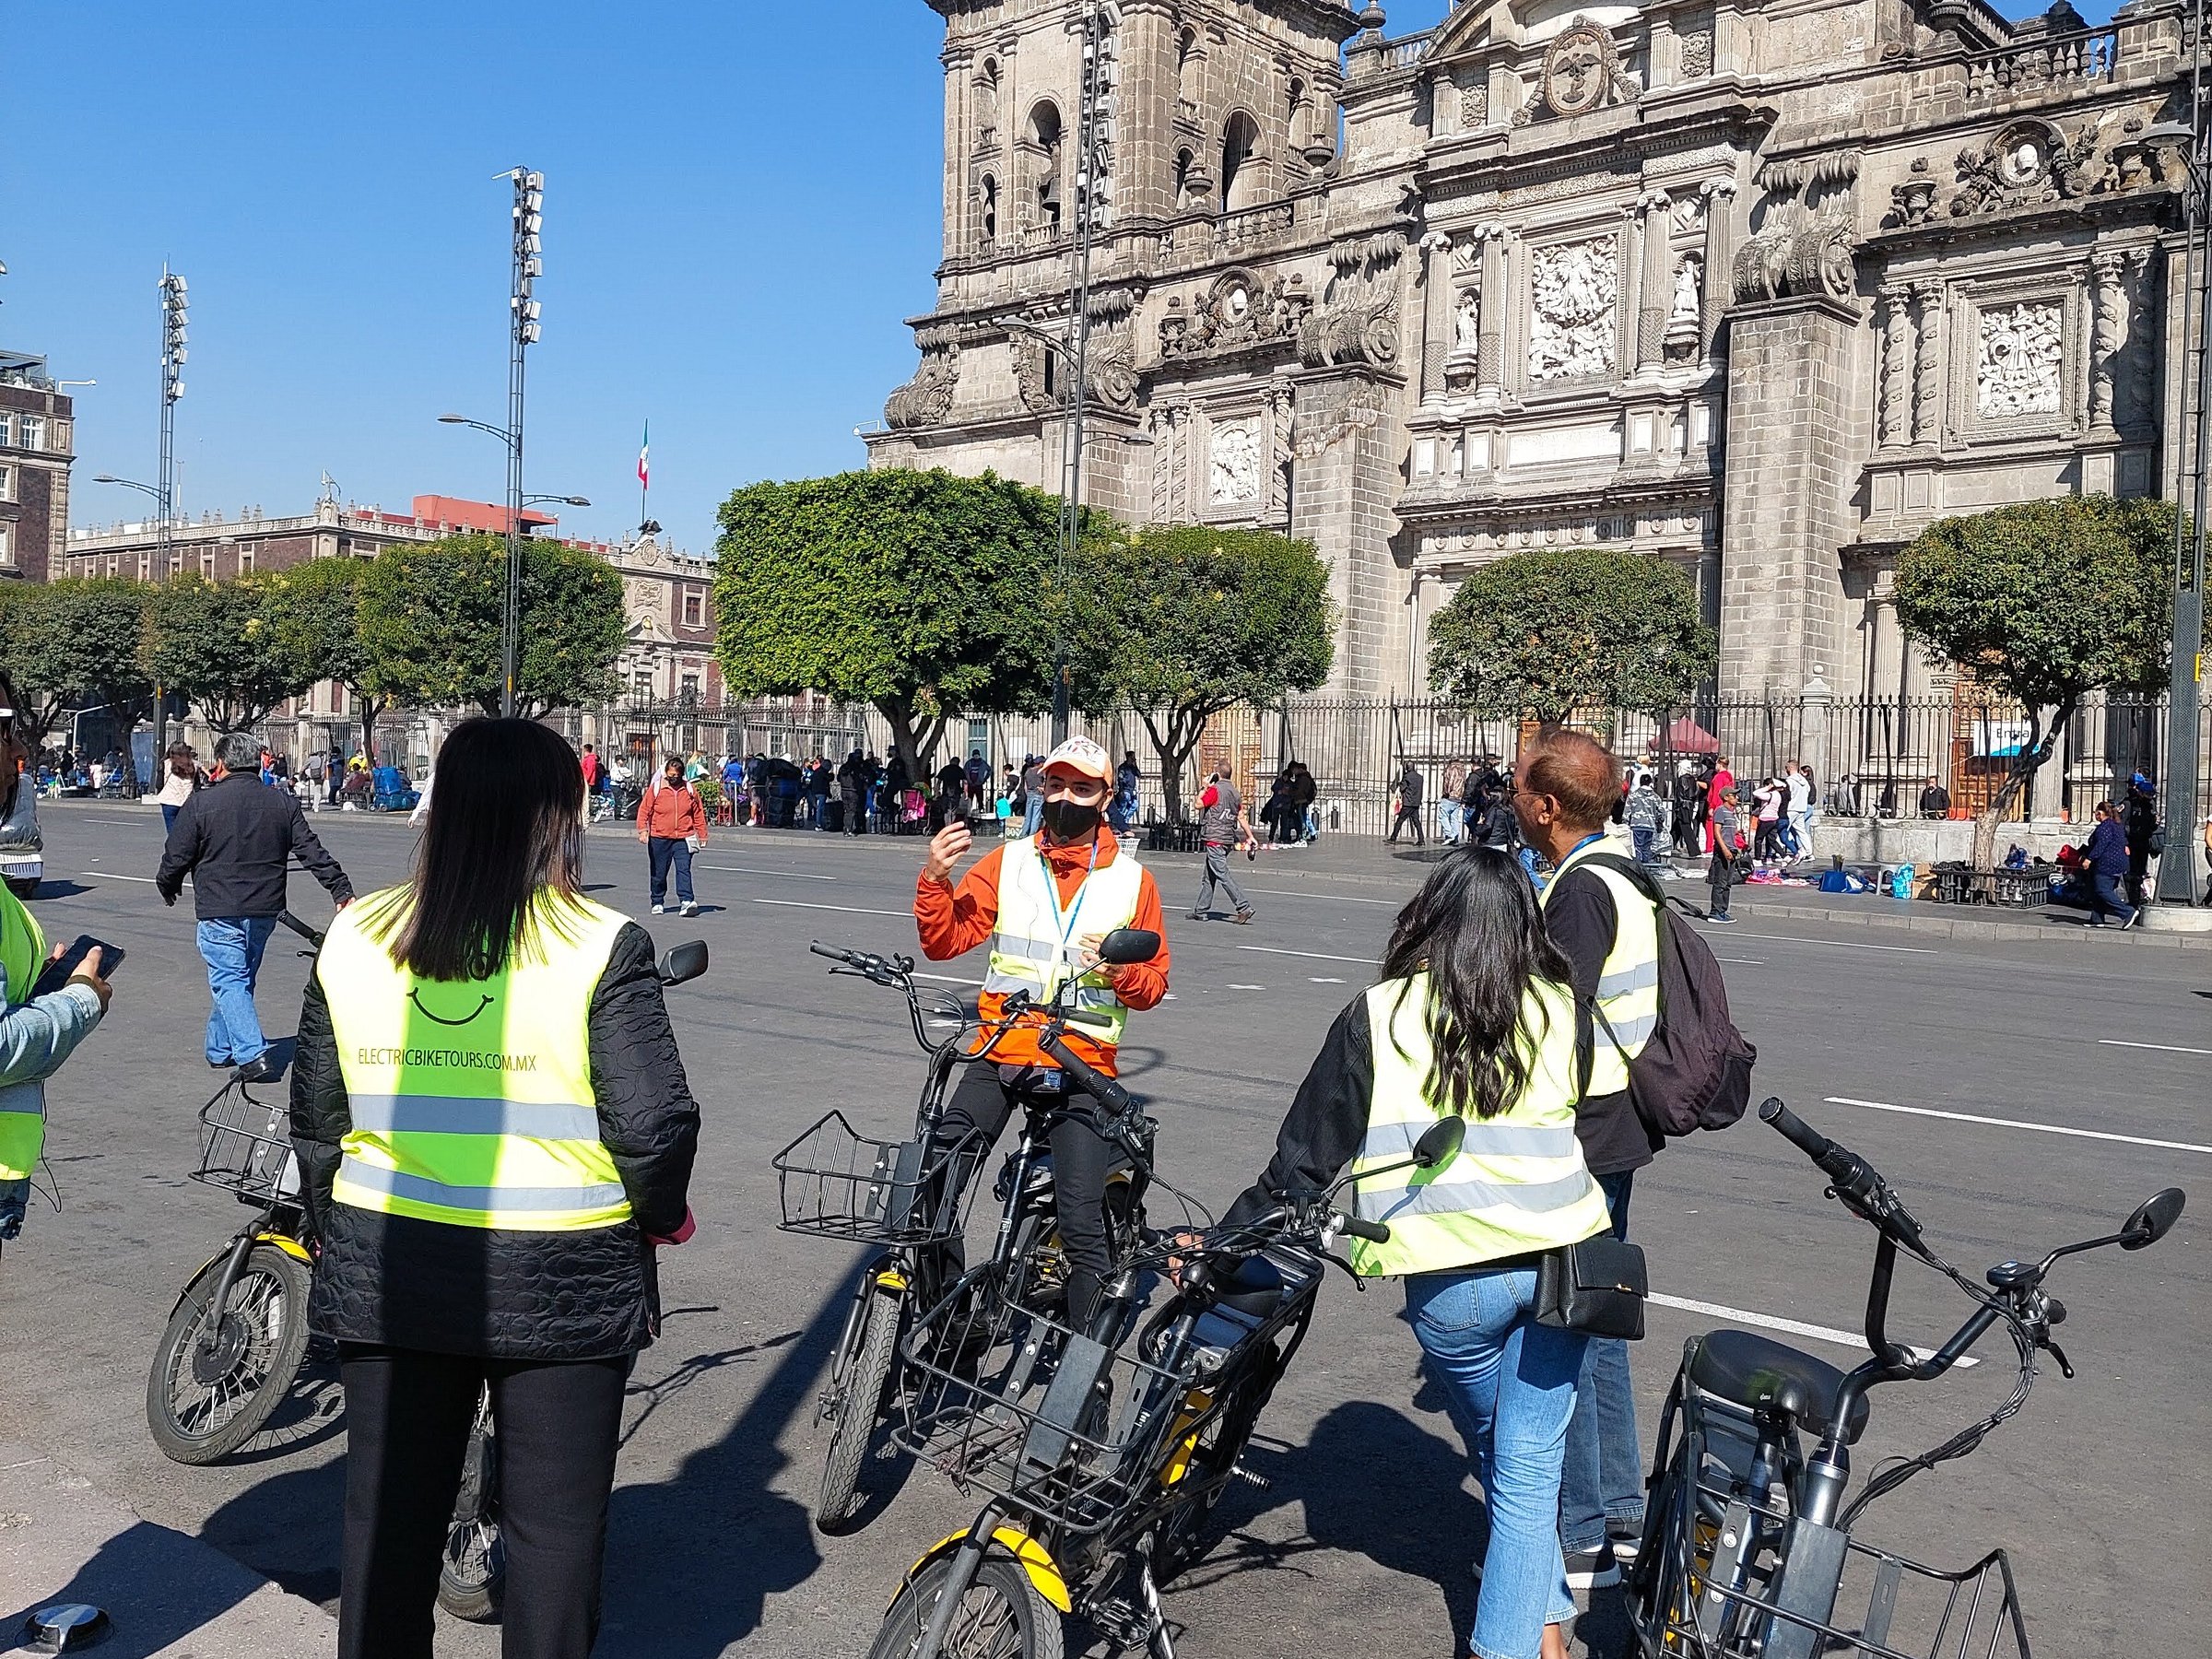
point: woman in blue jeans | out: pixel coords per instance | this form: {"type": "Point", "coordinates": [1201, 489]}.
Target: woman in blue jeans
{"type": "Point", "coordinates": [1473, 1017]}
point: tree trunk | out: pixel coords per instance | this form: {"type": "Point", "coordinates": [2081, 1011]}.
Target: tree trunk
{"type": "Point", "coordinates": [370, 709]}
{"type": "Point", "coordinates": [899, 715]}
{"type": "Point", "coordinates": [2018, 778]}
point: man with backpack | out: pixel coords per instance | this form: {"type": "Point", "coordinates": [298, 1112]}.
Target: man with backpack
{"type": "Point", "coordinates": [1657, 1067]}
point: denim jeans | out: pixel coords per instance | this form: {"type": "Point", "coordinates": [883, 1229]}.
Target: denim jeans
{"type": "Point", "coordinates": [662, 850]}
{"type": "Point", "coordinates": [1448, 815]}
{"type": "Point", "coordinates": [2111, 895]}
{"type": "Point", "coordinates": [1605, 1476]}
{"type": "Point", "coordinates": [232, 947]}
{"type": "Point", "coordinates": [1646, 844]}
{"type": "Point", "coordinates": [1511, 1384]}
{"type": "Point", "coordinates": [1033, 813]}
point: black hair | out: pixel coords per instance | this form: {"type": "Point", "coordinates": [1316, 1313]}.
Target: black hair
{"type": "Point", "coordinates": [1476, 929]}
{"type": "Point", "coordinates": [505, 837]}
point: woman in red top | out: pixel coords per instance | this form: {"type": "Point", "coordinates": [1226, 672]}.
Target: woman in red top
{"type": "Point", "coordinates": [672, 822]}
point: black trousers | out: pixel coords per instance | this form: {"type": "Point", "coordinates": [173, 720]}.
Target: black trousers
{"type": "Point", "coordinates": [407, 1417]}
{"type": "Point", "coordinates": [1409, 813]}
{"type": "Point", "coordinates": [982, 1103]}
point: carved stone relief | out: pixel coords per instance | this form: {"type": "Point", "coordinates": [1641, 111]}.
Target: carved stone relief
{"type": "Point", "coordinates": [1573, 294]}
{"type": "Point", "coordinates": [1809, 237]}
{"type": "Point", "coordinates": [927, 399]}
{"type": "Point", "coordinates": [1466, 322]}
{"type": "Point", "coordinates": [2108, 337]}
{"type": "Point", "coordinates": [2016, 360]}
{"type": "Point", "coordinates": [1697, 54]}
{"type": "Point", "coordinates": [1685, 321]}
{"type": "Point", "coordinates": [1581, 71]}
{"type": "Point", "coordinates": [1357, 323]}
{"type": "Point", "coordinates": [1474, 105]}
{"type": "Point", "coordinates": [1234, 475]}
{"type": "Point", "coordinates": [1239, 312]}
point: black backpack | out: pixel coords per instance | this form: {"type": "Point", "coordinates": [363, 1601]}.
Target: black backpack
{"type": "Point", "coordinates": [1695, 1073]}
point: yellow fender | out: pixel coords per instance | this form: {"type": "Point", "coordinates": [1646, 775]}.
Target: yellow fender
{"type": "Point", "coordinates": [285, 1243]}
{"type": "Point", "coordinates": [1036, 1561]}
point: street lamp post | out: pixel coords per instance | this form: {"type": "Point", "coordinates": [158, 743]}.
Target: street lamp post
{"type": "Point", "coordinates": [2191, 142]}
{"type": "Point", "coordinates": [174, 307]}
{"type": "Point", "coordinates": [160, 499]}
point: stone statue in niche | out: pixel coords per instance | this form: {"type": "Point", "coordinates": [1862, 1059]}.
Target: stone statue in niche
{"type": "Point", "coordinates": [1573, 292]}
{"type": "Point", "coordinates": [1685, 322]}
{"type": "Point", "coordinates": [2017, 358]}
{"type": "Point", "coordinates": [1466, 322]}
{"type": "Point", "coordinates": [1235, 473]}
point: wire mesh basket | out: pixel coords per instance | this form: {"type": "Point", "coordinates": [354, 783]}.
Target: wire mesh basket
{"type": "Point", "coordinates": [246, 1148]}
{"type": "Point", "coordinates": [1012, 1402]}
{"type": "Point", "coordinates": [838, 1183]}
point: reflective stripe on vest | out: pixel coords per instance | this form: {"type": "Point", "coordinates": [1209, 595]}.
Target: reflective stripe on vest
{"type": "Point", "coordinates": [23, 1105]}
{"type": "Point", "coordinates": [1038, 946]}
{"type": "Point", "coordinates": [1628, 985]}
{"type": "Point", "coordinates": [1518, 1183]}
{"type": "Point", "coordinates": [472, 1101]}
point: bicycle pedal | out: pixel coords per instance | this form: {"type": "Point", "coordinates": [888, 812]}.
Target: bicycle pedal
{"type": "Point", "coordinates": [1243, 1474]}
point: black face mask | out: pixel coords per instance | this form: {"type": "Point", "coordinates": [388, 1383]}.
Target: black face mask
{"type": "Point", "coordinates": [1070, 820]}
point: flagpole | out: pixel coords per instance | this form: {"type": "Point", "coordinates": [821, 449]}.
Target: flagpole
{"type": "Point", "coordinates": [644, 479]}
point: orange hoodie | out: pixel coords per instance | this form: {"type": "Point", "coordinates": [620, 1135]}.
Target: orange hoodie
{"type": "Point", "coordinates": [669, 813]}
{"type": "Point", "coordinates": [955, 920]}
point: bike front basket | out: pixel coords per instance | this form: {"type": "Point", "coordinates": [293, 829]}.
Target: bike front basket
{"type": "Point", "coordinates": [246, 1148]}
{"type": "Point", "coordinates": [838, 1183]}
{"type": "Point", "coordinates": [1011, 1402]}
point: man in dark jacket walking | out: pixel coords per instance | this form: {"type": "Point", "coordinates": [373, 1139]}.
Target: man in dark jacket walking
{"type": "Point", "coordinates": [2141, 818]}
{"type": "Point", "coordinates": [234, 839]}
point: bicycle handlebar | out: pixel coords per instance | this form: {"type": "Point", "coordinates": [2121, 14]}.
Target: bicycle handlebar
{"type": "Point", "coordinates": [1857, 1183]}
{"type": "Point", "coordinates": [1375, 1232]}
{"type": "Point", "coordinates": [300, 927]}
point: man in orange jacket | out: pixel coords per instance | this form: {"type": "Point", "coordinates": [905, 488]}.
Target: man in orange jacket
{"type": "Point", "coordinates": [672, 822]}
{"type": "Point", "coordinates": [1045, 902]}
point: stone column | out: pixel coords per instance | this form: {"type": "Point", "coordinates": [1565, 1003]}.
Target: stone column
{"type": "Point", "coordinates": [1894, 423]}
{"type": "Point", "coordinates": [1817, 702]}
{"type": "Point", "coordinates": [1493, 244]}
{"type": "Point", "coordinates": [1655, 288]}
{"type": "Point", "coordinates": [1436, 312]}
{"type": "Point", "coordinates": [1927, 369]}
{"type": "Point", "coordinates": [1719, 255]}
{"type": "Point", "coordinates": [2109, 338]}
{"type": "Point", "coordinates": [1662, 60]}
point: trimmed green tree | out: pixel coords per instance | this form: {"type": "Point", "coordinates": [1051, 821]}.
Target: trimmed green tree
{"type": "Point", "coordinates": [2044, 600]}
{"type": "Point", "coordinates": [919, 592]}
{"type": "Point", "coordinates": [1184, 621]}
{"type": "Point", "coordinates": [224, 646]}
{"type": "Point", "coordinates": [74, 641]}
{"type": "Point", "coordinates": [321, 612]}
{"type": "Point", "coordinates": [430, 618]}
{"type": "Point", "coordinates": [1540, 636]}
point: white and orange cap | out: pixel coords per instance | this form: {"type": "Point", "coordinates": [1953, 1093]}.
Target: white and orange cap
{"type": "Point", "coordinates": [1083, 757]}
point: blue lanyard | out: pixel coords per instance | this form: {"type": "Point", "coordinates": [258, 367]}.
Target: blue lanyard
{"type": "Point", "coordinates": [1596, 835]}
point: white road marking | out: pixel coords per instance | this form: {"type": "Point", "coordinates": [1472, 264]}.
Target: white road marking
{"type": "Point", "coordinates": [849, 910]}
{"type": "Point", "coordinates": [1248, 987]}
{"type": "Point", "coordinates": [752, 870]}
{"type": "Point", "coordinates": [1742, 962]}
{"type": "Point", "coordinates": [1318, 956]}
{"type": "Point", "coordinates": [1794, 1327]}
{"type": "Point", "coordinates": [1319, 980]}
{"type": "Point", "coordinates": [1968, 1117]}
{"type": "Point", "coordinates": [112, 875]}
{"type": "Point", "coordinates": [1325, 898]}
{"type": "Point", "coordinates": [2170, 1048]}
{"type": "Point", "coordinates": [1842, 944]}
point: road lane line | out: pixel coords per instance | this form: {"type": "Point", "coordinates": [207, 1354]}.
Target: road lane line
{"type": "Point", "coordinates": [112, 875]}
{"type": "Point", "coordinates": [849, 910]}
{"type": "Point", "coordinates": [1318, 956]}
{"type": "Point", "coordinates": [1248, 987]}
{"type": "Point", "coordinates": [1796, 1327]}
{"type": "Point", "coordinates": [1968, 1117]}
{"type": "Point", "coordinates": [753, 870]}
{"type": "Point", "coordinates": [1839, 943]}
{"type": "Point", "coordinates": [1742, 962]}
{"type": "Point", "coordinates": [1325, 898]}
{"type": "Point", "coordinates": [2170, 1048]}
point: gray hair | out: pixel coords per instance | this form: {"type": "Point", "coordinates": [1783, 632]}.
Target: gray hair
{"type": "Point", "coordinates": [239, 751]}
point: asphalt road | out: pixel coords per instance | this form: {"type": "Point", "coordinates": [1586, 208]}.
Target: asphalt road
{"type": "Point", "coordinates": [1363, 1540]}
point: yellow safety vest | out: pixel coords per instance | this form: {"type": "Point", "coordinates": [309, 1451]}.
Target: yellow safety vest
{"type": "Point", "coordinates": [22, 1105]}
{"type": "Point", "coordinates": [1627, 985]}
{"type": "Point", "coordinates": [472, 1099]}
{"type": "Point", "coordinates": [1518, 1183]}
{"type": "Point", "coordinates": [1039, 946]}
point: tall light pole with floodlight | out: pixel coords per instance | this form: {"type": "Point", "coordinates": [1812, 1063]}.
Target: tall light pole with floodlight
{"type": "Point", "coordinates": [175, 306]}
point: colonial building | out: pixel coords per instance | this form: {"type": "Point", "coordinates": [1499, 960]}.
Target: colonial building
{"type": "Point", "coordinates": [36, 421]}
{"type": "Point", "coordinates": [1757, 286]}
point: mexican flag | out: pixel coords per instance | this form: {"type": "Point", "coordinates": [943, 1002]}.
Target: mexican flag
{"type": "Point", "coordinates": [644, 451]}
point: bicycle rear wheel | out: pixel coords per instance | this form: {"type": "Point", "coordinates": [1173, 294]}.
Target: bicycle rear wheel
{"type": "Point", "coordinates": [218, 1376]}
{"type": "Point", "coordinates": [856, 1409]}
{"type": "Point", "coordinates": [1001, 1617]}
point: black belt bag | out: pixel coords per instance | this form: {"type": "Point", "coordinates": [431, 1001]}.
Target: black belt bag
{"type": "Point", "coordinates": [1596, 1287]}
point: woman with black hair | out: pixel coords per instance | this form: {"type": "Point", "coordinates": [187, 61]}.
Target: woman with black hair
{"type": "Point", "coordinates": [494, 1132]}
{"type": "Point", "coordinates": [1473, 1016]}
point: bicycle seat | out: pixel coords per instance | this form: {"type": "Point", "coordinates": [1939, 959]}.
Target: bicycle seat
{"type": "Point", "coordinates": [1760, 1375]}
{"type": "Point", "coordinates": [1255, 1290]}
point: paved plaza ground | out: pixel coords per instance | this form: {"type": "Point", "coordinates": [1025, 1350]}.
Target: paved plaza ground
{"type": "Point", "coordinates": [2020, 1090]}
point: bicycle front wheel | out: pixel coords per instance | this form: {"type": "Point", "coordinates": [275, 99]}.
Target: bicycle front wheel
{"type": "Point", "coordinates": [1001, 1617]}
{"type": "Point", "coordinates": [218, 1375]}
{"type": "Point", "coordinates": [856, 1409]}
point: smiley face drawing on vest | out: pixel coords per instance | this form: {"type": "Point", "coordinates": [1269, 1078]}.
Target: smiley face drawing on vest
{"type": "Point", "coordinates": [415, 996]}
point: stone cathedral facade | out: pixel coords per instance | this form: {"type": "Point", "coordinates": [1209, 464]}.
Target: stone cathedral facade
{"type": "Point", "coordinates": [1757, 286]}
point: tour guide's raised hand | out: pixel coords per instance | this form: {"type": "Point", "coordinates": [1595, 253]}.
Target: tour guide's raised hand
{"type": "Point", "coordinates": [946, 848]}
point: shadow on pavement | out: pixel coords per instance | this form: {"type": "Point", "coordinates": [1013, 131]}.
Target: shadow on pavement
{"type": "Point", "coordinates": [288, 1529]}
{"type": "Point", "coordinates": [156, 1583]}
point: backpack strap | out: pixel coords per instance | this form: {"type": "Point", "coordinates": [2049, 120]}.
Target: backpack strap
{"type": "Point", "coordinates": [1642, 880]}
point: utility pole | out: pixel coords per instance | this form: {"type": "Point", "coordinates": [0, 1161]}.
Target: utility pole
{"type": "Point", "coordinates": [523, 333]}
{"type": "Point", "coordinates": [1096, 73]}
{"type": "Point", "coordinates": [175, 308]}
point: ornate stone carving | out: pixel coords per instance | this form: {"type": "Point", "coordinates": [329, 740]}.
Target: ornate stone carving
{"type": "Point", "coordinates": [1892, 417]}
{"type": "Point", "coordinates": [2108, 338]}
{"type": "Point", "coordinates": [1358, 321]}
{"type": "Point", "coordinates": [1278, 453]}
{"type": "Point", "coordinates": [1912, 201]}
{"type": "Point", "coordinates": [1239, 312]}
{"type": "Point", "coordinates": [1327, 414]}
{"type": "Point", "coordinates": [1685, 322]}
{"type": "Point", "coordinates": [1110, 357]}
{"type": "Point", "coordinates": [1466, 322]}
{"type": "Point", "coordinates": [1927, 364]}
{"type": "Point", "coordinates": [1573, 311]}
{"type": "Point", "coordinates": [2028, 162]}
{"type": "Point", "coordinates": [1474, 104]}
{"type": "Point", "coordinates": [1160, 422]}
{"type": "Point", "coordinates": [1803, 249]}
{"type": "Point", "coordinates": [927, 399]}
{"type": "Point", "coordinates": [1581, 70]}
{"type": "Point", "coordinates": [2016, 360]}
{"type": "Point", "coordinates": [2138, 386]}
{"type": "Point", "coordinates": [1697, 54]}
{"type": "Point", "coordinates": [1233, 474]}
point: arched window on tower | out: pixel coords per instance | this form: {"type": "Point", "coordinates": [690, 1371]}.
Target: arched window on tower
{"type": "Point", "coordinates": [1184, 164]}
{"type": "Point", "coordinates": [990, 209]}
{"type": "Point", "coordinates": [1238, 178]}
{"type": "Point", "coordinates": [1045, 136]}
{"type": "Point", "coordinates": [986, 102]}
{"type": "Point", "coordinates": [1296, 115]}
{"type": "Point", "coordinates": [1186, 62]}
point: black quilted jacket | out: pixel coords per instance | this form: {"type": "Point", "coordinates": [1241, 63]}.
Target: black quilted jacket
{"type": "Point", "coordinates": [408, 1282]}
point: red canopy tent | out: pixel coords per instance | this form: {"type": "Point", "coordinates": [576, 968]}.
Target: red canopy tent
{"type": "Point", "coordinates": [1686, 736]}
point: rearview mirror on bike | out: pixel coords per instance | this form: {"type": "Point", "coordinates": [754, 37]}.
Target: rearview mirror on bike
{"type": "Point", "coordinates": [1125, 946]}
{"type": "Point", "coordinates": [685, 961]}
{"type": "Point", "coordinates": [2153, 1219]}
{"type": "Point", "coordinates": [1440, 1142]}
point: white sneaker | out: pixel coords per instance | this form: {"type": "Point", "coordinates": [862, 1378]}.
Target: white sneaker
{"type": "Point", "coordinates": [660, 910]}
{"type": "Point", "coordinates": [690, 910]}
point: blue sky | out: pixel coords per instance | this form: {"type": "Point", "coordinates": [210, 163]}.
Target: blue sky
{"type": "Point", "coordinates": [742, 205]}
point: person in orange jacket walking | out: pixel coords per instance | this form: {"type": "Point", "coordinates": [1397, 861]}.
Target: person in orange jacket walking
{"type": "Point", "coordinates": [672, 822]}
